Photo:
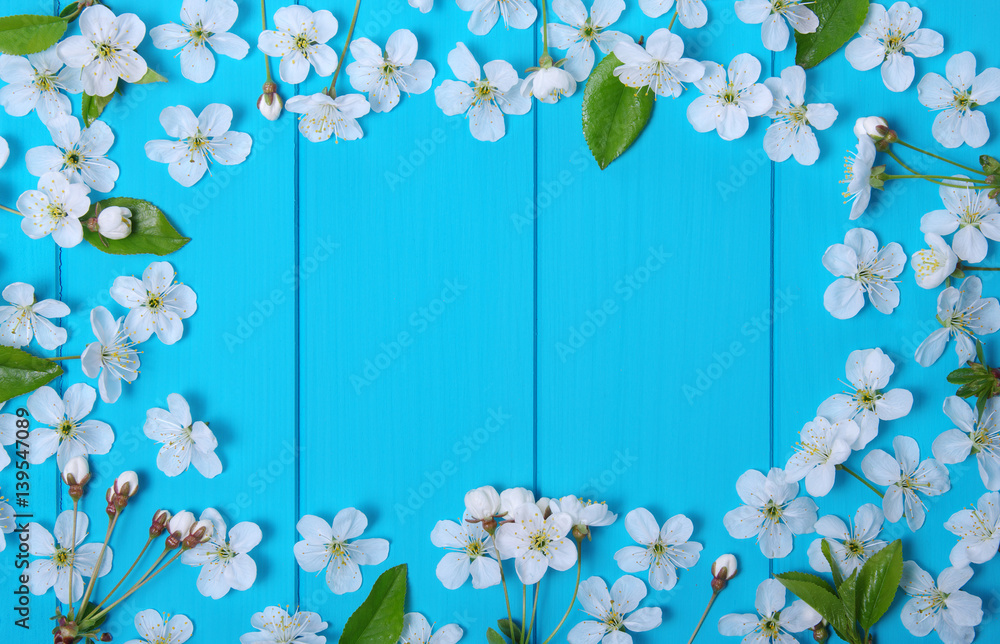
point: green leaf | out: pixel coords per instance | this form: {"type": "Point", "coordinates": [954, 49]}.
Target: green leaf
{"type": "Point", "coordinates": [379, 620]}
{"type": "Point", "coordinates": [963, 376]}
{"type": "Point", "coordinates": [613, 115]}
{"type": "Point", "coordinates": [23, 35]}
{"type": "Point", "coordinates": [21, 372]}
{"type": "Point", "coordinates": [68, 10]}
{"type": "Point", "coordinates": [152, 233]}
{"type": "Point", "coordinates": [979, 352]}
{"type": "Point", "coordinates": [492, 637]}
{"type": "Point", "coordinates": [838, 21]}
{"type": "Point", "coordinates": [510, 629]}
{"type": "Point", "coordinates": [93, 106]}
{"type": "Point", "coordinates": [151, 77]}
{"type": "Point", "coordinates": [877, 583]}
{"type": "Point", "coordinates": [849, 599]}
{"type": "Point", "coordinates": [821, 596]}
{"type": "Point", "coordinates": [838, 577]}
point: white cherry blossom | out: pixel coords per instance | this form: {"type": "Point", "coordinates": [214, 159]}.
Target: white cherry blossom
{"type": "Point", "coordinates": [663, 549]}
{"type": "Point", "coordinates": [105, 49]}
{"type": "Point", "coordinates": [850, 546]}
{"type": "Point", "coordinates": [972, 435]}
{"type": "Point", "coordinates": [773, 621]}
{"type": "Point", "coordinates": [585, 514]}
{"type": "Point", "coordinates": [548, 84]}
{"type": "Point", "coordinates": [417, 630]}
{"type": "Point", "coordinates": [323, 117]}
{"type": "Point", "coordinates": [972, 213]}
{"type": "Point", "coordinates": [112, 358]}
{"type": "Point", "coordinates": [772, 513]}
{"type": "Point", "coordinates": [934, 264]}
{"type": "Point", "coordinates": [337, 548]}
{"type": "Point", "coordinates": [956, 96]}
{"type": "Point", "coordinates": [157, 303]}
{"type": "Point", "coordinates": [615, 613]}
{"type": "Point", "coordinates": [519, 14]}
{"type": "Point", "coordinates": [660, 65]}
{"type": "Point", "coordinates": [886, 37]}
{"type": "Point", "coordinates": [772, 15]}
{"type": "Point", "coordinates": [963, 315]}
{"type": "Point", "coordinates": [859, 166]}
{"type": "Point", "coordinates": [204, 29]}
{"type": "Point", "coordinates": [56, 564]}
{"type": "Point", "coordinates": [582, 29]}
{"type": "Point", "coordinates": [184, 441]}
{"type": "Point", "coordinates": [484, 101]}
{"type": "Point", "coordinates": [861, 267]}
{"type": "Point", "coordinates": [299, 40]}
{"type": "Point", "coordinates": [199, 140]}
{"type": "Point", "coordinates": [67, 434]}
{"type": "Point", "coordinates": [791, 133]}
{"type": "Point", "coordinates": [821, 448]}
{"type": "Point", "coordinates": [37, 82]}
{"type": "Point", "coordinates": [978, 531]}
{"type": "Point", "coordinates": [383, 75]}
{"type": "Point", "coordinates": [155, 628]}
{"type": "Point", "coordinates": [224, 560]}
{"type": "Point", "coordinates": [941, 607]}
{"type": "Point", "coordinates": [55, 208]}
{"type": "Point", "coordinates": [275, 626]}
{"type": "Point", "coordinates": [692, 13]}
{"type": "Point", "coordinates": [25, 317]}
{"type": "Point", "coordinates": [729, 98]}
{"type": "Point", "coordinates": [471, 551]}
{"type": "Point", "coordinates": [536, 543]}
{"type": "Point", "coordinates": [905, 476]}
{"type": "Point", "coordinates": [80, 155]}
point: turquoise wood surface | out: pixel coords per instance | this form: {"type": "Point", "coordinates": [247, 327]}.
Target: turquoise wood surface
{"type": "Point", "coordinates": [387, 323]}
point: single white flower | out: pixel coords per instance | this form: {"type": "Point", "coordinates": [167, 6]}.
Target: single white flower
{"type": "Point", "coordinates": [536, 543]}
{"type": "Point", "coordinates": [585, 514]}
{"type": "Point", "coordinates": [729, 98]}
{"type": "Point", "coordinates": [57, 564]}
{"type": "Point", "coordinates": [978, 531]}
{"type": "Point", "coordinates": [154, 628]}
{"type": "Point", "coordinates": [199, 140]}
{"type": "Point", "coordinates": [383, 75]}
{"type": "Point", "coordinates": [821, 448]}
{"type": "Point", "coordinates": [862, 268]}
{"type": "Point", "coordinates": [113, 356]}
{"type": "Point", "coordinates": [905, 476]}
{"type": "Point", "coordinates": [25, 317]}
{"type": "Point", "coordinates": [548, 84]}
{"type": "Point", "coordinates": [614, 612]}
{"type": "Point", "coordinates": [471, 552]}
{"type": "Point", "coordinates": [224, 561]}
{"type": "Point", "coordinates": [972, 213]}
{"type": "Point", "coordinates": [663, 550]}
{"type": "Point", "coordinates": [972, 435]}
{"type": "Point", "coordinates": [80, 155]}
{"type": "Point", "coordinates": [336, 548]}
{"type": "Point", "coordinates": [935, 264]}
{"type": "Point", "coordinates": [583, 29]}
{"type": "Point", "coordinates": [275, 626]}
{"type": "Point", "coordinates": [482, 503]}
{"type": "Point", "coordinates": [54, 209]}
{"type": "Point", "coordinates": [850, 546]}
{"type": "Point", "coordinates": [37, 82]}
{"type": "Point", "coordinates": [205, 27]}
{"type": "Point", "coordinates": [886, 37]}
{"type": "Point", "coordinates": [691, 12]}
{"type": "Point", "coordinates": [868, 372]}
{"type": "Point", "coordinates": [105, 49]}
{"type": "Point", "coordinates": [771, 513]}
{"type": "Point", "coordinates": [771, 16]}
{"type": "Point", "coordinates": [773, 621]}
{"type": "Point", "coordinates": [957, 97]}
{"type": "Point", "coordinates": [941, 607]}
{"type": "Point", "coordinates": [791, 133]}
{"type": "Point", "coordinates": [964, 315]}
{"type": "Point", "coordinates": [299, 41]}
{"type": "Point", "coordinates": [184, 441]}
{"type": "Point", "coordinates": [519, 14]}
{"type": "Point", "coordinates": [7, 521]}
{"type": "Point", "coordinates": [323, 117]}
{"type": "Point", "coordinates": [417, 630]}
{"type": "Point", "coordinates": [484, 101]}
{"type": "Point", "coordinates": [156, 303]}
{"type": "Point", "coordinates": [859, 168]}
{"type": "Point", "coordinates": [660, 65]}
{"type": "Point", "coordinates": [115, 222]}
{"type": "Point", "coordinates": [67, 433]}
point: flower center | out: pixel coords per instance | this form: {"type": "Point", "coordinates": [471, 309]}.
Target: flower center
{"type": "Point", "coordinates": [855, 549]}
{"type": "Point", "coordinates": [729, 95]}
{"type": "Point", "coordinates": [338, 549]}
{"type": "Point", "coordinates": [483, 91]}
{"type": "Point", "coordinates": [154, 301]}
{"type": "Point", "coordinates": [895, 42]}
{"type": "Point", "coordinates": [928, 262]}
{"type": "Point", "coordinates": [970, 217]}
{"type": "Point", "coordinates": [65, 429]}
{"type": "Point", "coordinates": [198, 34]}
{"type": "Point", "coordinates": [772, 511]}
{"type": "Point", "coordinates": [302, 43]}
{"type": "Point", "coordinates": [794, 115]}
{"type": "Point", "coordinates": [62, 557]}
{"type": "Point", "coordinates": [541, 541]}
{"type": "Point", "coordinates": [72, 159]}
{"type": "Point", "coordinates": [55, 211]}
{"type": "Point", "coordinates": [614, 620]}
{"type": "Point", "coordinates": [44, 82]}
{"type": "Point", "coordinates": [104, 50]}
{"type": "Point", "coordinates": [866, 398]}
{"type": "Point", "coordinates": [589, 32]}
{"type": "Point", "coordinates": [226, 553]}
{"type": "Point", "coordinates": [963, 102]}
{"type": "Point", "coordinates": [770, 626]}
{"type": "Point", "coordinates": [198, 142]}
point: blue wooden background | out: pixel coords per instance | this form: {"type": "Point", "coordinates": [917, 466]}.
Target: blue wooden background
{"type": "Point", "coordinates": [310, 261]}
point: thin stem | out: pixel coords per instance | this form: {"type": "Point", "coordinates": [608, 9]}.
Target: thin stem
{"type": "Point", "coordinates": [860, 478]}
{"type": "Point", "coordinates": [127, 572]}
{"type": "Point", "coordinates": [506, 596]}
{"type": "Point", "coordinates": [72, 556]}
{"type": "Point", "coordinates": [980, 268]}
{"type": "Point", "coordinates": [576, 589]}
{"type": "Point", "coordinates": [156, 563]}
{"type": "Point", "coordinates": [711, 600]}
{"type": "Point", "coordinates": [350, 33]}
{"type": "Point", "coordinates": [938, 157]}
{"type": "Point", "coordinates": [671, 25]}
{"type": "Point", "coordinates": [57, 359]}
{"type": "Point", "coordinates": [534, 609]}
{"type": "Point", "coordinates": [138, 586]}
{"type": "Point", "coordinates": [263, 25]}
{"type": "Point", "coordinates": [16, 212]}
{"type": "Point", "coordinates": [524, 610]}
{"type": "Point", "coordinates": [545, 29]}
{"type": "Point", "coordinates": [928, 177]}
{"type": "Point", "coordinates": [100, 561]}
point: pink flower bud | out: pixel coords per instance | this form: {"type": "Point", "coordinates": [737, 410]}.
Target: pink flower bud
{"type": "Point", "coordinates": [160, 520]}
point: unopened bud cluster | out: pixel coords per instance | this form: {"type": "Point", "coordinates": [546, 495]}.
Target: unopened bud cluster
{"type": "Point", "coordinates": [184, 531]}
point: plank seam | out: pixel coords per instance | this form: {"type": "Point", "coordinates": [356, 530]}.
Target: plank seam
{"type": "Point", "coordinates": [770, 331]}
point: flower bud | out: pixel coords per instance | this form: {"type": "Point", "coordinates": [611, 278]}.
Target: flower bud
{"type": "Point", "coordinates": [201, 532]}
{"type": "Point", "coordinates": [179, 526]}
{"type": "Point", "coordinates": [869, 126]}
{"type": "Point", "coordinates": [482, 503]}
{"type": "Point", "coordinates": [821, 633]}
{"type": "Point", "coordinates": [723, 569]}
{"type": "Point", "coordinates": [515, 498]}
{"type": "Point", "coordinates": [127, 484]}
{"type": "Point", "coordinates": [160, 520]}
{"type": "Point", "coordinates": [115, 222]}
{"type": "Point", "coordinates": [270, 103]}
{"type": "Point", "coordinates": [77, 472]}
{"type": "Point", "coordinates": [543, 506]}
